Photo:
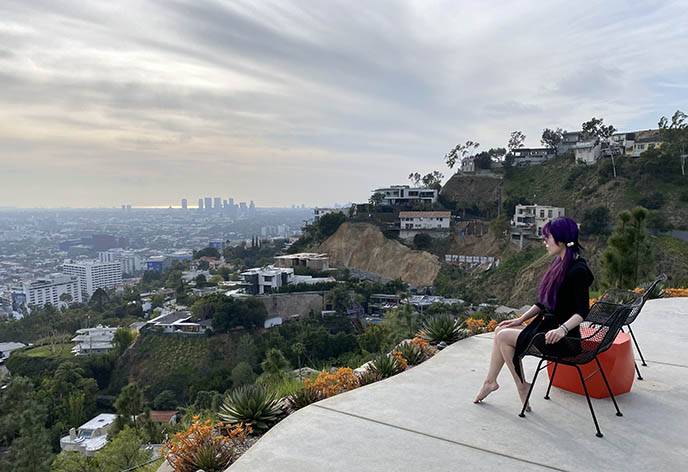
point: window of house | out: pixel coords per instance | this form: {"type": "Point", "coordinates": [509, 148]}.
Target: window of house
{"type": "Point", "coordinates": [542, 213]}
{"type": "Point", "coordinates": [549, 213]}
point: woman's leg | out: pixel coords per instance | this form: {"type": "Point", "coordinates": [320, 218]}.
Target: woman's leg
{"type": "Point", "coordinates": [503, 348]}
{"type": "Point", "coordinates": [507, 346]}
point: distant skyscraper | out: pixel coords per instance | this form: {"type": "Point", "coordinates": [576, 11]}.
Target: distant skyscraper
{"type": "Point", "coordinates": [252, 208]}
{"type": "Point", "coordinates": [184, 204]}
{"type": "Point", "coordinates": [231, 202]}
{"type": "Point", "coordinates": [217, 204]}
{"type": "Point", "coordinates": [208, 203]}
{"type": "Point", "coordinates": [200, 203]}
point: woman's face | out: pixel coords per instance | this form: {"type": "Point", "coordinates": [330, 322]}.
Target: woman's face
{"type": "Point", "coordinates": [554, 248]}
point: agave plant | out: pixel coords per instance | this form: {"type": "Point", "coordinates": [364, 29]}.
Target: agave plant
{"type": "Point", "coordinates": [214, 456]}
{"type": "Point", "coordinates": [303, 397]}
{"type": "Point", "coordinates": [440, 328]}
{"type": "Point", "coordinates": [384, 366]}
{"type": "Point", "coordinates": [411, 353]}
{"type": "Point", "coordinates": [367, 377]}
{"type": "Point", "coordinates": [254, 404]}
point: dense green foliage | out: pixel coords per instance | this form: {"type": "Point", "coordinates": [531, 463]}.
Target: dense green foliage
{"type": "Point", "coordinates": [628, 255]}
{"type": "Point", "coordinates": [595, 221]}
{"type": "Point", "coordinates": [227, 313]}
{"type": "Point", "coordinates": [245, 256]}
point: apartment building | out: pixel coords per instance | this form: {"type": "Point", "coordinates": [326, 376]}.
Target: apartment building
{"type": "Point", "coordinates": [47, 290]}
{"type": "Point", "coordinates": [131, 262]}
{"type": "Point", "coordinates": [94, 274]}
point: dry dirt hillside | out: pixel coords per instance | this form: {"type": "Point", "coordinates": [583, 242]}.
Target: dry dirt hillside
{"type": "Point", "coordinates": [469, 189]}
{"type": "Point", "coordinates": [363, 246]}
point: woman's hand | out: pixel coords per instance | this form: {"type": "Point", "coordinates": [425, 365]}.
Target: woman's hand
{"type": "Point", "coordinates": [510, 323]}
{"type": "Point", "coordinates": [554, 335]}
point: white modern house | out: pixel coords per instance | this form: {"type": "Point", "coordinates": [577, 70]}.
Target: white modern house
{"type": "Point", "coordinates": [176, 322]}
{"type": "Point", "coordinates": [587, 152]}
{"type": "Point", "coordinates": [406, 195]}
{"type": "Point", "coordinates": [90, 437]}
{"type": "Point", "coordinates": [94, 274]}
{"type": "Point", "coordinates": [435, 223]}
{"type": "Point", "coordinates": [268, 279]}
{"type": "Point", "coordinates": [91, 341]}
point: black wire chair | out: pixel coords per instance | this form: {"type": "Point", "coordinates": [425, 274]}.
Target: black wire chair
{"type": "Point", "coordinates": [628, 297]}
{"type": "Point", "coordinates": [606, 321]}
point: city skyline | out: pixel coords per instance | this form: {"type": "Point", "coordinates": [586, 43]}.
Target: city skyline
{"type": "Point", "coordinates": [105, 104]}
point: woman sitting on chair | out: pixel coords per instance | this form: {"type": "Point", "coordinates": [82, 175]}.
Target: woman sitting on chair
{"type": "Point", "coordinates": [563, 304]}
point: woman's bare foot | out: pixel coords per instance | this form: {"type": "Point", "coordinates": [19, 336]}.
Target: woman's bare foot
{"type": "Point", "coordinates": [488, 388]}
{"type": "Point", "coordinates": [523, 393]}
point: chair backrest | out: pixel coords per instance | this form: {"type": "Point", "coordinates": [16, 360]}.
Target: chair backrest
{"type": "Point", "coordinates": [609, 318]}
{"type": "Point", "coordinates": [645, 296]}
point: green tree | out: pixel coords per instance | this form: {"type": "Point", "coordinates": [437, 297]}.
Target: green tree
{"type": "Point", "coordinates": [675, 137]}
{"type": "Point", "coordinates": [246, 351]}
{"type": "Point", "coordinates": [99, 300]}
{"type": "Point", "coordinates": [628, 254]}
{"type": "Point", "coordinates": [516, 140]}
{"type": "Point", "coordinates": [166, 400]}
{"type": "Point", "coordinates": [595, 128]}
{"type": "Point", "coordinates": [329, 223]}
{"type": "Point", "coordinates": [122, 452]}
{"type": "Point", "coordinates": [552, 138]}
{"type": "Point", "coordinates": [595, 220]}
{"type": "Point", "coordinates": [275, 363]}
{"type": "Point", "coordinates": [158, 300]}
{"type": "Point", "coordinates": [242, 374]}
{"type": "Point", "coordinates": [376, 199]}
{"type": "Point", "coordinates": [299, 349]}
{"type": "Point", "coordinates": [500, 227]}
{"type": "Point", "coordinates": [129, 403]}
{"type": "Point", "coordinates": [72, 461]}
{"type": "Point", "coordinates": [122, 340]}
{"type": "Point", "coordinates": [422, 241]}
{"type": "Point", "coordinates": [460, 152]}
{"type": "Point", "coordinates": [207, 252]}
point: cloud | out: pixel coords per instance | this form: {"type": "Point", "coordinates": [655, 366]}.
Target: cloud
{"type": "Point", "coordinates": [322, 101]}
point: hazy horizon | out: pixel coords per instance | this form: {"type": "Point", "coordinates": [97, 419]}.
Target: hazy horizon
{"type": "Point", "coordinates": [144, 103]}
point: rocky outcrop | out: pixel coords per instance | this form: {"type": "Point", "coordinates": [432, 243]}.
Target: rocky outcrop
{"type": "Point", "coordinates": [363, 246]}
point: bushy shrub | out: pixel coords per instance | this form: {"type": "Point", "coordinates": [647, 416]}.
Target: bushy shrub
{"type": "Point", "coordinates": [253, 404]}
{"type": "Point", "coordinates": [442, 328]}
{"type": "Point", "coordinates": [329, 384]}
{"type": "Point", "coordinates": [422, 241]}
{"type": "Point", "coordinates": [204, 447]}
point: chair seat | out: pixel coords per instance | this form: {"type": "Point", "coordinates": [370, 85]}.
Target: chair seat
{"type": "Point", "coordinates": [618, 364]}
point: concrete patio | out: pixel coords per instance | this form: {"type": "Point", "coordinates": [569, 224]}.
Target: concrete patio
{"type": "Point", "coordinates": [424, 419]}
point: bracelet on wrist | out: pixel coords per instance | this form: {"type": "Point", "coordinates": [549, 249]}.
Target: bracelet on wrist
{"type": "Point", "coordinates": [566, 330]}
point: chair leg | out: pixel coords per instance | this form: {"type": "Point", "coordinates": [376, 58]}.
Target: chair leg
{"type": "Point", "coordinates": [537, 371]}
{"type": "Point", "coordinates": [640, 377]}
{"type": "Point", "coordinates": [554, 372]}
{"type": "Point", "coordinates": [587, 396]}
{"type": "Point", "coordinates": [618, 412]}
{"type": "Point", "coordinates": [636, 346]}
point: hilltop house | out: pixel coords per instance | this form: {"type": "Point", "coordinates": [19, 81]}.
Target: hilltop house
{"type": "Point", "coordinates": [90, 437]}
{"type": "Point", "coordinates": [317, 262]}
{"type": "Point", "coordinates": [528, 220]}
{"type": "Point", "coordinates": [93, 340]}
{"type": "Point", "coordinates": [531, 156]}
{"type": "Point", "coordinates": [405, 195]}
{"type": "Point", "coordinates": [434, 223]}
{"type": "Point", "coordinates": [176, 322]}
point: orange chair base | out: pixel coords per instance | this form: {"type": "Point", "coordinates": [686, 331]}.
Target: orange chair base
{"type": "Point", "coordinates": [618, 364]}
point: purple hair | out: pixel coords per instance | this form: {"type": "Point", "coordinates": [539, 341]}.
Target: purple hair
{"type": "Point", "coordinates": [563, 230]}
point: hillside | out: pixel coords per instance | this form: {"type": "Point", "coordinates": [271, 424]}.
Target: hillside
{"type": "Point", "coordinates": [179, 364]}
{"type": "Point", "coordinates": [363, 246]}
{"type": "Point", "coordinates": [468, 190]}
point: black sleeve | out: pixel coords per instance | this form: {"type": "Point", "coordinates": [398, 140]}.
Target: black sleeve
{"type": "Point", "coordinates": [541, 307]}
{"type": "Point", "coordinates": [581, 293]}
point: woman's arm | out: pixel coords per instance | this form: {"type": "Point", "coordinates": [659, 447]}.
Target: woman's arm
{"type": "Point", "coordinates": [532, 311]}
{"type": "Point", "coordinates": [554, 335]}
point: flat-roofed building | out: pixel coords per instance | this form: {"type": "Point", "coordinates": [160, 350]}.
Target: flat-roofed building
{"type": "Point", "coordinates": [48, 290]}
{"type": "Point", "coordinates": [90, 437]}
{"type": "Point", "coordinates": [435, 223]}
{"type": "Point", "coordinates": [94, 274]}
{"type": "Point", "coordinates": [406, 195]}
{"type": "Point", "coordinates": [317, 262]}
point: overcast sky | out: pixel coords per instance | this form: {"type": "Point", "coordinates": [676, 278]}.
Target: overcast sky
{"type": "Point", "coordinates": [315, 102]}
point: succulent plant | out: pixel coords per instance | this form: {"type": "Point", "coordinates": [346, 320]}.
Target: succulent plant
{"type": "Point", "coordinates": [411, 353]}
{"type": "Point", "coordinates": [384, 366]}
{"type": "Point", "coordinates": [440, 328]}
{"type": "Point", "coordinates": [253, 404]}
{"type": "Point", "coordinates": [303, 397]}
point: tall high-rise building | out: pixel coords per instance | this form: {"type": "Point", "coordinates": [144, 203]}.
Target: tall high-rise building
{"type": "Point", "coordinates": [243, 208]}
{"type": "Point", "coordinates": [184, 204]}
{"type": "Point", "coordinates": [231, 202]}
{"type": "Point", "coordinates": [200, 203]}
{"type": "Point", "coordinates": [217, 203]}
{"type": "Point", "coordinates": [208, 203]}
{"type": "Point", "coordinates": [94, 274]}
{"type": "Point", "coordinates": [130, 261]}
{"type": "Point", "coordinates": [48, 290]}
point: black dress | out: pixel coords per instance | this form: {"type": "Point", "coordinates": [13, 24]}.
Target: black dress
{"type": "Point", "coordinates": [573, 298]}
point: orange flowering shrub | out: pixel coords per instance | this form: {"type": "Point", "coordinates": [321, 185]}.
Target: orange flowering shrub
{"type": "Point", "coordinates": [476, 326]}
{"type": "Point", "coordinates": [492, 325]}
{"type": "Point", "coordinates": [675, 292]}
{"type": "Point", "coordinates": [425, 347]}
{"type": "Point", "coordinates": [205, 446]}
{"type": "Point", "coordinates": [400, 359]}
{"type": "Point", "coordinates": [327, 384]}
